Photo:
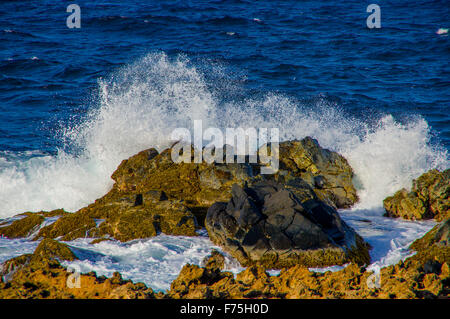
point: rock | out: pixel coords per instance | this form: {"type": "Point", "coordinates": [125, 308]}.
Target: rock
{"type": "Point", "coordinates": [397, 282]}
{"type": "Point", "coordinates": [193, 275]}
{"type": "Point", "coordinates": [193, 283]}
{"type": "Point", "coordinates": [49, 249]}
{"type": "Point", "coordinates": [153, 195]}
{"type": "Point", "coordinates": [125, 218]}
{"type": "Point", "coordinates": [48, 253]}
{"type": "Point", "coordinates": [214, 264]}
{"type": "Point", "coordinates": [414, 278]}
{"type": "Point", "coordinates": [215, 261]}
{"type": "Point", "coordinates": [428, 198]}
{"type": "Point", "coordinates": [435, 243]}
{"type": "Point", "coordinates": [432, 267]}
{"type": "Point", "coordinates": [198, 185]}
{"type": "Point", "coordinates": [25, 224]}
{"type": "Point", "coordinates": [268, 225]}
{"type": "Point", "coordinates": [40, 275]}
{"type": "Point", "coordinates": [327, 172]}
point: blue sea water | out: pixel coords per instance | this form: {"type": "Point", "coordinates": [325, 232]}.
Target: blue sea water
{"type": "Point", "coordinates": [75, 102]}
{"type": "Point", "coordinates": [301, 48]}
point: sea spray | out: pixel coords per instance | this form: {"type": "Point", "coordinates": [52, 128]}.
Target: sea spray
{"type": "Point", "coordinates": [141, 104]}
{"type": "Point", "coordinates": [389, 156]}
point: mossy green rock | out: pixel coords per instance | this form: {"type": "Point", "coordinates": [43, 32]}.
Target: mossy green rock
{"type": "Point", "coordinates": [326, 172]}
{"type": "Point", "coordinates": [153, 194]}
{"type": "Point", "coordinates": [24, 224]}
{"type": "Point", "coordinates": [125, 218]}
{"type": "Point", "coordinates": [438, 236]}
{"type": "Point", "coordinates": [428, 198]}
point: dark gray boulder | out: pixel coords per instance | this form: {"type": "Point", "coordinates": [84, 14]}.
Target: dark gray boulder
{"type": "Point", "coordinates": [269, 225]}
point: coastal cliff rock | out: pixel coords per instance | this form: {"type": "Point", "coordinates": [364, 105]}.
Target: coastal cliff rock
{"type": "Point", "coordinates": [268, 225]}
{"type": "Point", "coordinates": [40, 275]}
{"type": "Point", "coordinates": [428, 198]}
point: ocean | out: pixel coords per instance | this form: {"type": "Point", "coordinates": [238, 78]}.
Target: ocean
{"type": "Point", "coordinates": [75, 102]}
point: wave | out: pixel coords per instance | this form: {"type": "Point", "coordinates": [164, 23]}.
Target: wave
{"type": "Point", "coordinates": [140, 104]}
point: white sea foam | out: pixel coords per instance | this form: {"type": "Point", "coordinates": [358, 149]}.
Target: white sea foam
{"type": "Point", "coordinates": [390, 156]}
{"type": "Point", "coordinates": [155, 261]}
{"type": "Point", "coordinates": [389, 237]}
{"type": "Point", "coordinates": [10, 248]}
{"type": "Point", "coordinates": [142, 103]}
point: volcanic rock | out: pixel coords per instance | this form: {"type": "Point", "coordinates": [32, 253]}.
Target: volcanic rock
{"type": "Point", "coordinates": [267, 224]}
{"type": "Point", "coordinates": [326, 172]}
{"type": "Point", "coordinates": [152, 194]}
{"type": "Point", "coordinates": [428, 198]}
{"type": "Point", "coordinates": [125, 218]}
{"type": "Point", "coordinates": [40, 275]}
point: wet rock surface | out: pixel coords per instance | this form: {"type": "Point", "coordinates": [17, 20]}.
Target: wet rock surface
{"type": "Point", "coordinates": [153, 195]}
{"type": "Point", "coordinates": [326, 172]}
{"type": "Point", "coordinates": [269, 225]}
{"type": "Point", "coordinates": [425, 275]}
{"type": "Point", "coordinates": [428, 198]}
{"type": "Point", "coordinates": [125, 218]}
{"type": "Point", "coordinates": [25, 224]}
{"type": "Point", "coordinates": [40, 276]}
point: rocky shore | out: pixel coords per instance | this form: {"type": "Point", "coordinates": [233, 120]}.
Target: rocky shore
{"type": "Point", "coordinates": [40, 275]}
{"type": "Point", "coordinates": [428, 198]}
{"type": "Point", "coordinates": [424, 275]}
{"type": "Point", "coordinates": [287, 221]}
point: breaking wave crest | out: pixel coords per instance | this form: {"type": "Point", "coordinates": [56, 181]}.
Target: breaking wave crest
{"type": "Point", "coordinates": [140, 105]}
